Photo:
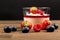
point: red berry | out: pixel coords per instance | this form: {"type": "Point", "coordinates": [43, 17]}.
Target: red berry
{"type": "Point", "coordinates": [37, 27]}
{"type": "Point", "coordinates": [22, 24]}
{"type": "Point", "coordinates": [45, 24]}
{"type": "Point", "coordinates": [33, 10]}
{"type": "Point", "coordinates": [39, 11]}
{"type": "Point", "coordinates": [30, 25]}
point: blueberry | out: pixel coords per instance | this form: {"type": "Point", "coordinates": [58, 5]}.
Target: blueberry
{"type": "Point", "coordinates": [7, 29]}
{"type": "Point", "coordinates": [13, 28]}
{"type": "Point", "coordinates": [56, 26]}
{"type": "Point", "coordinates": [50, 28]}
{"type": "Point", "coordinates": [25, 29]}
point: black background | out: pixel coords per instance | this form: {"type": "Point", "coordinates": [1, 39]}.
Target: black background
{"type": "Point", "coordinates": [12, 9]}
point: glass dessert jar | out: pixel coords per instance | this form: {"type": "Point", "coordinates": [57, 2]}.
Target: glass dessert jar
{"type": "Point", "coordinates": [36, 15]}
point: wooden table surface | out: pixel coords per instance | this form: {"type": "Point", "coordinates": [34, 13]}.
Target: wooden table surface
{"type": "Point", "coordinates": [18, 35]}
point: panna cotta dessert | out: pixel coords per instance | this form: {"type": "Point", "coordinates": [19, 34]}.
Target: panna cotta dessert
{"type": "Point", "coordinates": [36, 15]}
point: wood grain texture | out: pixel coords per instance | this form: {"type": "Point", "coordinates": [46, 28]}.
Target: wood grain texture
{"type": "Point", "coordinates": [18, 35]}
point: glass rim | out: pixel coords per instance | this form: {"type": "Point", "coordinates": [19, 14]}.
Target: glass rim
{"type": "Point", "coordinates": [37, 7]}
